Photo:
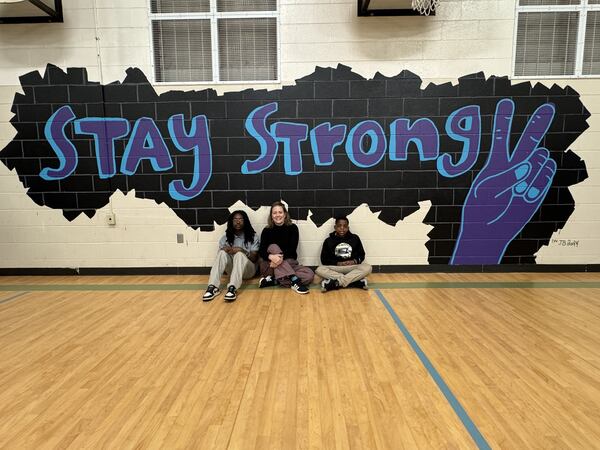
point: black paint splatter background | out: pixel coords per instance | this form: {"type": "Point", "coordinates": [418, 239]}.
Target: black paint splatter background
{"type": "Point", "coordinates": [339, 96]}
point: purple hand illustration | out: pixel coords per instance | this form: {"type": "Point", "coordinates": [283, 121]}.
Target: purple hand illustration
{"type": "Point", "coordinates": [508, 190]}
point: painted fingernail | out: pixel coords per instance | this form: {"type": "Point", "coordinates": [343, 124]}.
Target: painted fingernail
{"type": "Point", "coordinates": [521, 187]}
{"type": "Point", "coordinates": [533, 192]}
{"type": "Point", "coordinates": [521, 171]}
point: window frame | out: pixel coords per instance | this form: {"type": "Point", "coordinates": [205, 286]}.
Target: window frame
{"type": "Point", "coordinates": [583, 8]}
{"type": "Point", "coordinates": [213, 15]}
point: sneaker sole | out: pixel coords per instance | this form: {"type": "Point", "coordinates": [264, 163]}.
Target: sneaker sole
{"type": "Point", "coordinates": [299, 292]}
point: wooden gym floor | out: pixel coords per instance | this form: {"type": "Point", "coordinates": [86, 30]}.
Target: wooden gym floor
{"type": "Point", "coordinates": [418, 361]}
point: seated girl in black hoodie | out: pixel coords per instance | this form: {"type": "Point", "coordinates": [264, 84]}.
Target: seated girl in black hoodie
{"type": "Point", "coordinates": [278, 244]}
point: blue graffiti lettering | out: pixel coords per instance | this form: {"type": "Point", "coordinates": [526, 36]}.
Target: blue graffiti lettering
{"type": "Point", "coordinates": [105, 131]}
{"type": "Point", "coordinates": [144, 143]}
{"type": "Point", "coordinates": [422, 133]}
{"type": "Point", "coordinates": [198, 141]}
{"type": "Point", "coordinates": [256, 126]}
{"type": "Point", "coordinates": [290, 134]}
{"type": "Point", "coordinates": [323, 140]}
{"type": "Point", "coordinates": [60, 143]}
{"type": "Point", "coordinates": [463, 125]}
{"type": "Point", "coordinates": [354, 144]}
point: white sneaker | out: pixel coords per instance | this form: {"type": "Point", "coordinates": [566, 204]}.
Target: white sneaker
{"type": "Point", "coordinates": [211, 292]}
{"type": "Point", "coordinates": [231, 294]}
{"type": "Point", "coordinates": [299, 289]}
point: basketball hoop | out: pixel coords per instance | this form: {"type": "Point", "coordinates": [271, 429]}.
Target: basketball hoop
{"type": "Point", "coordinates": [425, 7]}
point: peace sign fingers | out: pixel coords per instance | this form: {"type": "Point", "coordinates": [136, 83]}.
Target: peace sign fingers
{"type": "Point", "coordinates": [500, 151]}
{"type": "Point", "coordinates": [534, 132]}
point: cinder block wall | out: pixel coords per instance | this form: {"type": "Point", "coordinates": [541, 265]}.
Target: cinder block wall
{"type": "Point", "coordinates": [465, 37]}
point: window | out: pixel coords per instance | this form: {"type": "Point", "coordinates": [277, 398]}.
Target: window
{"type": "Point", "coordinates": [214, 40]}
{"type": "Point", "coordinates": [557, 38]}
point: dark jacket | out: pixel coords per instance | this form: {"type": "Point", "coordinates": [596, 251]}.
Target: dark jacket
{"type": "Point", "coordinates": [286, 236]}
{"type": "Point", "coordinates": [332, 252]}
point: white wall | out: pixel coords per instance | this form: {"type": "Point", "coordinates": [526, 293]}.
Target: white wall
{"type": "Point", "coordinates": [464, 37]}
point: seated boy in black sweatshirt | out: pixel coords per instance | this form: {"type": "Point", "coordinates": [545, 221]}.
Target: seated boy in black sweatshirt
{"type": "Point", "coordinates": [342, 259]}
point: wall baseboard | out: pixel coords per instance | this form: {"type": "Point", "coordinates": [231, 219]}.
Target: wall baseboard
{"type": "Point", "coordinates": [424, 268]}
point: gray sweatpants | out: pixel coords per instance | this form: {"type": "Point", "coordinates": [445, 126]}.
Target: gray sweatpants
{"type": "Point", "coordinates": [344, 274]}
{"type": "Point", "coordinates": [237, 266]}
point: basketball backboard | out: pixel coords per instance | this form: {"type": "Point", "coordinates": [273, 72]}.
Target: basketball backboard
{"type": "Point", "coordinates": [387, 8]}
{"type": "Point", "coordinates": [30, 11]}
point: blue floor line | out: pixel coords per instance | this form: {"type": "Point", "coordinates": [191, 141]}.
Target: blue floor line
{"type": "Point", "coordinates": [456, 406]}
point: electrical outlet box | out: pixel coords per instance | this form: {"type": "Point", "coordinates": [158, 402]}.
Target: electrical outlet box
{"type": "Point", "coordinates": [180, 238]}
{"type": "Point", "coordinates": [111, 219]}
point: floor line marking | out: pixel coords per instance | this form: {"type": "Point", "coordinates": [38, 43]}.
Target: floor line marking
{"type": "Point", "coordinates": [6, 300]}
{"type": "Point", "coordinates": [454, 403]}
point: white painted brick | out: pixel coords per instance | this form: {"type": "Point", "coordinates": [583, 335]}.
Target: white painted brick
{"type": "Point", "coordinates": [58, 38]}
{"type": "Point", "coordinates": [125, 56]}
{"type": "Point", "coordinates": [15, 58]}
{"type": "Point", "coordinates": [124, 4]}
{"type": "Point", "coordinates": [123, 18]}
{"type": "Point", "coordinates": [447, 11]}
{"type": "Point", "coordinates": [463, 29]}
{"type": "Point", "coordinates": [130, 37]}
{"type": "Point", "coordinates": [40, 57]}
{"type": "Point", "coordinates": [320, 13]}
{"type": "Point", "coordinates": [11, 200]}
{"type": "Point", "coordinates": [495, 29]}
{"type": "Point", "coordinates": [567, 259]}
{"type": "Point", "coordinates": [79, 18]}
{"type": "Point", "coordinates": [379, 32]}
{"type": "Point", "coordinates": [39, 217]}
{"type": "Point", "coordinates": [487, 9]}
{"type": "Point", "coordinates": [80, 4]}
{"type": "Point", "coordinates": [476, 49]}
{"type": "Point", "coordinates": [361, 51]}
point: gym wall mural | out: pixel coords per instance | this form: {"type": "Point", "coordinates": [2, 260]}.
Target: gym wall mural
{"type": "Point", "coordinates": [492, 157]}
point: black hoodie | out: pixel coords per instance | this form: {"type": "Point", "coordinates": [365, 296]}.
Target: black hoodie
{"type": "Point", "coordinates": [337, 249]}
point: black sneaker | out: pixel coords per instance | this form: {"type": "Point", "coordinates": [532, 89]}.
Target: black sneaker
{"type": "Point", "coordinates": [266, 281]}
{"type": "Point", "coordinates": [329, 285]}
{"type": "Point", "coordinates": [211, 292]}
{"type": "Point", "coordinates": [231, 294]}
{"type": "Point", "coordinates": [298, 288]}
{"type": "Point", "coordinates": [360, 284]}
